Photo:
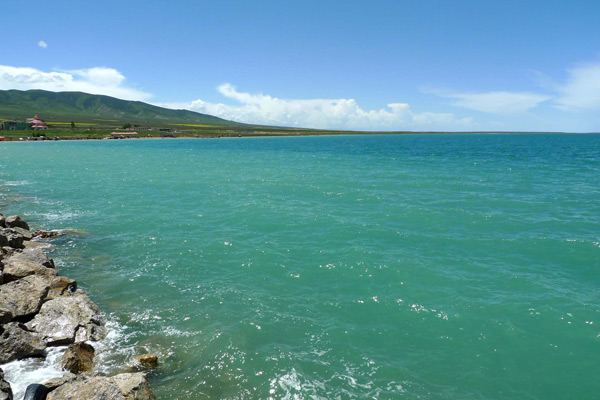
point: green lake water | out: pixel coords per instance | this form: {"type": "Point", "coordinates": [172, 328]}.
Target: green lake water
{"type": "Point", "coordinates": [384, 267]}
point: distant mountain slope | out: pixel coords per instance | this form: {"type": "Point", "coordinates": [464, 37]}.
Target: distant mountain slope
{"type": "Point", "coordinates": [85, 107]}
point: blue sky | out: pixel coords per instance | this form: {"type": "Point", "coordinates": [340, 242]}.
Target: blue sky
{"type": "Point", "coordinates": [366, 65]}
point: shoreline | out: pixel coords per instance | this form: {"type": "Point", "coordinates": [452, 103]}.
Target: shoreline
{"type": "Point", "coordinates": [43, 312]}
{"type": "Point", "coordinates": [17, 138]}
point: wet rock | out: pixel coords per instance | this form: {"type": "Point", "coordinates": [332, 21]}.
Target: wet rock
{"type": "Point", "coordinates": [24, 297]}
{"type": "Point", "coordinates": [17, 342]}
{"type": "Point", "coordinates": [5, 390]}
{"type": "Point", "coordinates": [60, 286]}
{"type": "Point", "coordinates": [147, 360]}
{"type": "Point", "coordinates": [14, 221]}
{"type": "Point", "coordinates": [56, 382]}
{"type": "Point", "coordinates": [31, 244]}
{"type": "Point", "coordinates": [2, 221]}
{"type": "Point", "coordinates": [11, 238]}
{"type": "Point", "coordinates": [28, 262]}
{"type": "Point", "coordinates": [79, 357]}
{"type": "Point", "coordinates": [43, 234]}
{"type": "Point", "coordinates": [69, 319]}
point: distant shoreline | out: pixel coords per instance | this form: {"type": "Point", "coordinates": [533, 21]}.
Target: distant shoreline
{"type": "Point", "coordinates": [24, 138]}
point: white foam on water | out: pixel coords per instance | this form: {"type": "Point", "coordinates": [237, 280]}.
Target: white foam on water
{"type": "Point", "coordinates": [22, 373]}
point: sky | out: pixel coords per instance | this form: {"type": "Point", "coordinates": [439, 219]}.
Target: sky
{"type": "Point", "coordinates": [393, 65]}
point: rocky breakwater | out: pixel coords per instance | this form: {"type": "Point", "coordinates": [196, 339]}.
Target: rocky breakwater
{"type": "Point", "coordinates": [40, 309]}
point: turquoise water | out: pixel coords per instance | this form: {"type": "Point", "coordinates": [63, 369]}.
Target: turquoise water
{"type": "Point", "coordinates": [418, 266]}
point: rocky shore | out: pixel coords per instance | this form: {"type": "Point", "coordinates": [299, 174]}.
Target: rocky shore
{"type": "Point", "coordinates": [40, 309]}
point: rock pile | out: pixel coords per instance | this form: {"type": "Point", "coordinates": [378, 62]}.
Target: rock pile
{"type": "Point", "coordinates": [39, 309]}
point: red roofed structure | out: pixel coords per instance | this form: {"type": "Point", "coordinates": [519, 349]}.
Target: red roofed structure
{"type": "Point", "coordinates": [37, 123]}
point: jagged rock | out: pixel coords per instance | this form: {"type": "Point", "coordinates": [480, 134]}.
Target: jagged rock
{"type": "Point", "coordinates": [119, 387]}
{"type": "Point", "coordinates": [147, 360]}
{"type": "Point", "coordinates": [68, 319]}
{"type": "Point", "coordinates": [2, 221]}
{"type": "Point", "coordinates": [5, 390]}
{"type": "Point", "coordinates": [79, 357]}
{"type": "Point", "coordinates": [43, 234]}
{"type": "Point", "coordinates": [17, 342]}
{"type": "Point", "coordinates": [134, 386]}
{"type": "Point", "coordinates": [29, 262]}
{"type": "Point", "coordinates": [24, 297]}
{"type": "Point", "coordinates": [11, 238]}
{"type": "Point", "coordinates": [60, 286]}
{"type": "Point", "coordinates": [56, 382]}
{"type": "Point", "coordinates": [23, 232]}
{"type": "Point", "coordinates": [14, 221]}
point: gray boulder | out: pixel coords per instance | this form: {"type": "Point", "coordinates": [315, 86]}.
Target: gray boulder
{"type": "Point", "coordinates": [24, 297]}
{"type": "Point", "coordinates": [11, 238]}
{"type": "Point", "coordinates": [119, 387]}
{"type": "Point", "coordinates": [27, 235]}
{"type": "Point", "coordinates": [28, 262]}
{"type": "Point", "coordinates": [5, 390]}
{"type": "Point", "coordinates": [14, 221]}
{"type": "Point", "coordinates": [68, 319]}
{"type": "Point", "coordinates": [56, 382]}
{"type": "Point", "coordinates": [17, 342]}
{"type": "Point", "coordinates": [79, 357]}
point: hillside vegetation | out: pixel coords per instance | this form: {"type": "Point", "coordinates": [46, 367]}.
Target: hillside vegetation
{"type": "Point", "coordinates": [96, 109]}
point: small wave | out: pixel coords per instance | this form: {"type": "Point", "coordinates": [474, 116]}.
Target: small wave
{"type": "Point", "coordinates": [22, 373]}
{"type": "Point", "coordinates": [15, 183]}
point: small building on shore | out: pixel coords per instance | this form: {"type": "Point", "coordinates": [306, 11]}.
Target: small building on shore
{"type": "Point", "coordinates": [15, 125]}
{"type": "Point", "coordinates": [37, 123]}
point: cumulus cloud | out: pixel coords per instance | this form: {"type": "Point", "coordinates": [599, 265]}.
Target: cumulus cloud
{"type": "Point", "coordinates": [42, 44]}
{"type": "Point", "coordinates": [581, 91]}
{"type": "Point", "coordinates": [320, 113]}
{"type": "Point", "coordinates": [97, 80]}
{"type": "Point", "coordinates": [500, 103]}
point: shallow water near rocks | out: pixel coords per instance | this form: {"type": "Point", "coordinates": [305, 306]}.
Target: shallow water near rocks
{"type": "Point", "coordinates": [414, 266]}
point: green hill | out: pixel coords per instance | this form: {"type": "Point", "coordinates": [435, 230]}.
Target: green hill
{"type": "Point", "coordinates": [84, 107]}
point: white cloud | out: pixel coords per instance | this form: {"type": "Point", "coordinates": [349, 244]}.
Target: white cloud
{"type": "Point", "coordinates": [42, 44]}
{"type": "Point", "coordinates": [581, 91]}
{"type": "Point", "coordinates": [98, 80]}
{"type": "Point", "coordinates": [500, 103]}
{"type": "Point", "coordinates": [320, 113]}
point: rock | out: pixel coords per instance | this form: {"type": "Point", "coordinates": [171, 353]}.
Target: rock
{"type": "Point", "coordinates": [31, 244]}
{"type": "Point", "coordinates": [68, 319]}
{"type": "Point", "coordinates": [40, 233]}
{"type": "Point", "coordinates": [16, 221]}
{"type": "Point", "coordinates": [2, 221]}
{"type": "Point", "coordinates": [98, 388]}
{"type": "Point", "coordinates": [60, 286]}
{"type": "Point", "coordinates": [147, 360]}
{"type": "Point", "coordinates": [24, 297]}
{"type": "Point", "coordinates": [29, 262]}
{"type": "Point", "coordinates": [17, 342]}
{"type": "Point", "coordinates": [5, 390]}
{"type": "Point", "coordinates": [23, 232]}
{"type": "Point", "coordinates": [79, 357]}
{"type": "Point", "coordinates": [134, 386]}
{"type": "Point", "coordinates": [56, 382]}
{"type": "Point", "coordinates": [119, 387]}
{"type": "Point", "coordinates": [11, 238]}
